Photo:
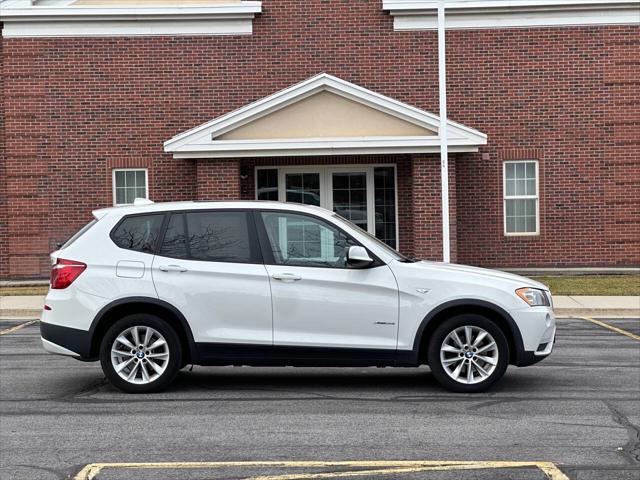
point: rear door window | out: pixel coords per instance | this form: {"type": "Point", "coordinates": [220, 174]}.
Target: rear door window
{"type": "Point", "coordinates": [138, 232]}
{"type": "Point", "coordinates": [219, 236]}
{"type": "Point", "coordinates": [214, 236]}
{"type": "Point", "coordinates": [174, 244]}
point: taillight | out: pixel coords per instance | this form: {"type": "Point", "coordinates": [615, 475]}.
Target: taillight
{"type": "Point", "coordinates": [64, 272]}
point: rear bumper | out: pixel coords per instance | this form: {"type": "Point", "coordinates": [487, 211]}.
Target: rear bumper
{"type": "Point", "coordinates": [65, 340]}
{"type": "Point", "coordinates": [57, 349]}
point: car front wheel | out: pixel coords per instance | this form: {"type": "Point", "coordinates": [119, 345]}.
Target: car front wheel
{"type": "Point", "coordinates": [468, 353]}
{"type": "Point", "coordinates": [140, 353]}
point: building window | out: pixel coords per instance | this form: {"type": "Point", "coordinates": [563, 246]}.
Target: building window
{"type": "Point", "coordinates": [129, 184]}
{"type": "Point", "coordinates": [385, 203]}
{"type": "Point", "coordinates": [521, 206]}
{"type": "Point", "coordinates": [267, 184]}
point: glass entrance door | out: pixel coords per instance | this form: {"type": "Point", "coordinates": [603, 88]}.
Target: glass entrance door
{"type": "Point", "coordinates": [303, 188]}
{"type": "Point", "coordinates": [363, 194]}
{"type": "Point", "coordinates": [349, 196]}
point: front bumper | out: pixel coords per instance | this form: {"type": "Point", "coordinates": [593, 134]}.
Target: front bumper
{"type": "Point", "coordinates": [537, 326]}
{"type": "Point", "coordinates": [527, 358]}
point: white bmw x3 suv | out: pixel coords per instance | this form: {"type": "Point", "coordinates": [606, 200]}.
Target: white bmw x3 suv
{"type": "Point", "coordinates": [150, 288]}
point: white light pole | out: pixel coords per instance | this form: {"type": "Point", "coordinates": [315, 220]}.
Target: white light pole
{"type": "Point", "coordinates": [444, 161]}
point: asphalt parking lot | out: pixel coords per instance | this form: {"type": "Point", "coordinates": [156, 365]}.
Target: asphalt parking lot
{"type": "Point", "coordinates": [575, 415]}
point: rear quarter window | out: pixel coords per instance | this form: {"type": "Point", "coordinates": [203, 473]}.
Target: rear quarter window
{"type": "Point", "coordinates": [138, 232]}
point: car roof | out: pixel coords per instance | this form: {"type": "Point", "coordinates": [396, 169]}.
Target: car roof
{"type": "Point", "coordinates": [150, 207]}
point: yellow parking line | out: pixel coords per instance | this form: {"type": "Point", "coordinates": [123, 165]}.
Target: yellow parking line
{"type": "Point", "coordinates": [17, 327]}
{"type": "Point", "coordinates": [89, 472]}
{"type": "Point", "coordinates": [611, 327]}
{"type": "Point", "coordinates": [552, 472]}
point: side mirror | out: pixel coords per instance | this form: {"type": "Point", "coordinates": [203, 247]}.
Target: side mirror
{"type": "Point", "coordinates": [358, 257]}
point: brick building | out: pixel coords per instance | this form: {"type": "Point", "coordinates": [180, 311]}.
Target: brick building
{"type": "Point", "coordinates": [329, 102]}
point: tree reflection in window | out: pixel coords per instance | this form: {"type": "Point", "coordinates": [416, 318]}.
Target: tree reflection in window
{"type": "Point", "coordinates": [139, 233]}
{"type": "Point", "coordinates": [175, 239]}
{"type": "Point", "coordinates": [218, 236]}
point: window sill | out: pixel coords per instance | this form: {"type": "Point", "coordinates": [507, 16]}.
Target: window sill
{"type": "Point", "coordinates": [523, 236]}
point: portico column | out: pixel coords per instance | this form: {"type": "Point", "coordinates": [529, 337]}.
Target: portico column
{"type": "Point", "coordinates": [218, 179]}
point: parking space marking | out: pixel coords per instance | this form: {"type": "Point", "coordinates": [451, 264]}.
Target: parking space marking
{"type": "Point", "coordinates": [611, 327]}
{"type": "Point", "coordinates": [17, 327]}
{"type": "Point", "coordinates": [90, 472]}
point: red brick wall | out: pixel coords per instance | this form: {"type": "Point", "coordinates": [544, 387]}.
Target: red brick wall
{"type": "Point", "coordinates": [565, 98]}
{"type": "Point", "coordinates": [426, 205]}
{"type": "Point", "coordinates": [218, 179]}
{"type": "Point", "coordinates": [74, 107]}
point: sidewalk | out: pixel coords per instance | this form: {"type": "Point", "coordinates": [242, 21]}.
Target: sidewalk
{"type": "Point", "coordinates": [565, 306]}
{"type": "Point", "coordinates": [592, 306]}
{"type": "Point", "coordinates": [21, 306]}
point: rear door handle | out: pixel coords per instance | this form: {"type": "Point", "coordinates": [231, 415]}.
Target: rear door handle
{"type": "Point", "coordinates": [172, 268]}
{"type": "Point", "coordinates": [286, 277]}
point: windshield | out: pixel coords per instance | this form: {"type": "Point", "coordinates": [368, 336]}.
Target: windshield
{"type": "Point", "coordinates": [391, 251]}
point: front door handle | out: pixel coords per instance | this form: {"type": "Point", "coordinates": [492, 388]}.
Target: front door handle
{"type": "Point", "coordinates": [172, 268]}
{"type": "Point", "coordinates": [286, 277]}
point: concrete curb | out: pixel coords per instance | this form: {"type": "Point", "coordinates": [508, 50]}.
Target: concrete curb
{"type": "Point", "coordinates": [20, 314]}
{"type": "Point", "coordinates": [24, 283]}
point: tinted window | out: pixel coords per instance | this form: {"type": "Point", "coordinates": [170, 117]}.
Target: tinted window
{"type": "Point", "coordinates": [139, 233]}
{"type": "Point", "coordinates": [218, 236]}
{"type": "Point", "coordinates": [305, 241]}
{"type": "Point", "coordinates": [175, 238]}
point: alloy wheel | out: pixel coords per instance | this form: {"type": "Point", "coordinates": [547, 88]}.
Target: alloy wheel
{"type": "Point", "coordinates": [469, 354]}
{"type": "Point", "coordinates": [140, 354]}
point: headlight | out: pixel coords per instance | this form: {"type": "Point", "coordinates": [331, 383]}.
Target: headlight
{"type": "Point", "coordinates": [533, 296]}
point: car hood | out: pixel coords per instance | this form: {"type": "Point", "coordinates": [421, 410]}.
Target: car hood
{"type": "Point", "coordinates": [479, 273]}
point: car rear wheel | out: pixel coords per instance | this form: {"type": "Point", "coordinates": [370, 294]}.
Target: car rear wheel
{"type": "Point", "coordinates": [140, 353]}
{"type": "Point", "coordinates": [468, 353]}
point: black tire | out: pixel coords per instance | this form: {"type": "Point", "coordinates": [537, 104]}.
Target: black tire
{"type": "Point", "coordinates": [173, 344]}
{"type": "Point", "coordinates": [448, 326]}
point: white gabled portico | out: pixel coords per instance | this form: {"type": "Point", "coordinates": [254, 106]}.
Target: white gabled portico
{"type": "Point", "coordinates": [323, 115]}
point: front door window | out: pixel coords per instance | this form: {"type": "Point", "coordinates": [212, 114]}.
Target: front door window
{"type": "Point", "coordinates": [305, 241]}
{"type": "Point", "coordinates": [363, 194]}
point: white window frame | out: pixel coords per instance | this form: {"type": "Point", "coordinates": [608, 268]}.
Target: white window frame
{"type": "Point", "coordinates": [326, 185]}
{"type": "Point", "coordinates": [535, 197]}
{"type": "Point", "coordinates": [113, 182]}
